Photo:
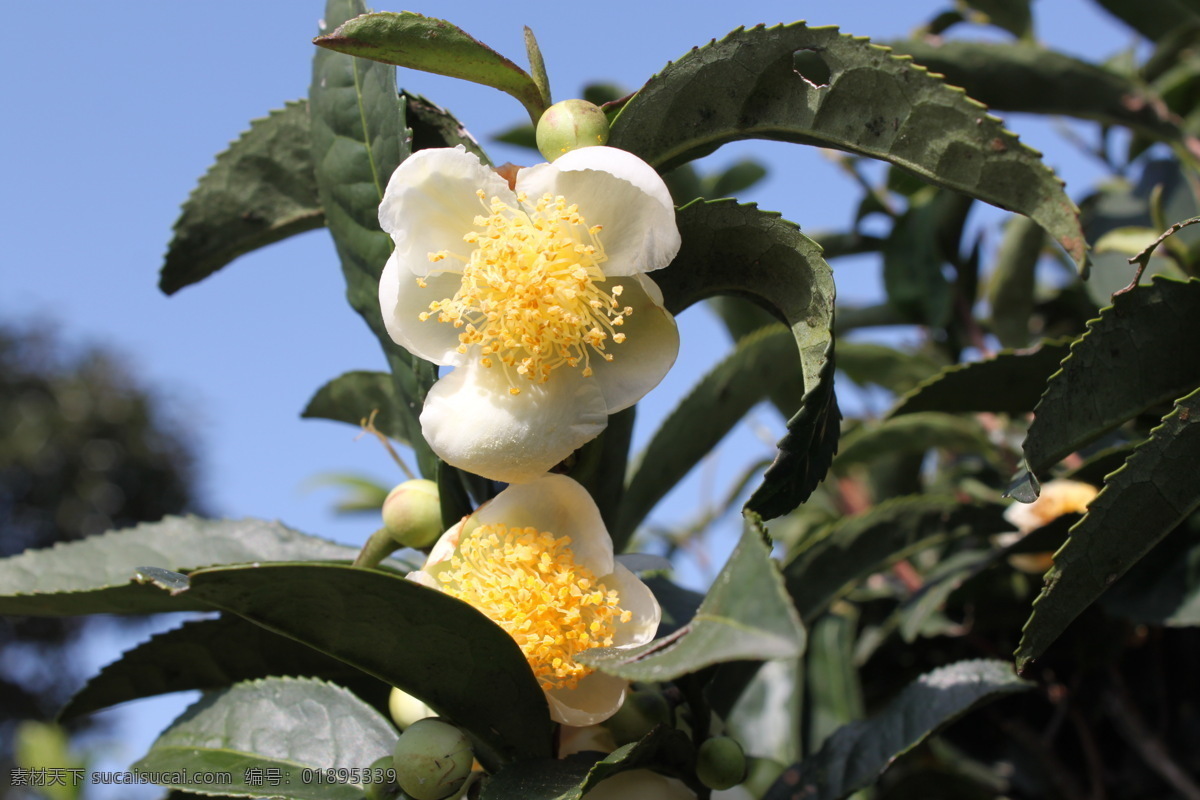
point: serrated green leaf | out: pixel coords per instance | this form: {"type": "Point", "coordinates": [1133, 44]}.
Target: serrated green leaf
{"type": "Point", "coordinates": [354, 397]}
{"type": "Point", "coordinates": [429, 644]}
{"type": "Point", "coordinates": [738, 249]}
{"type": "Point", "coordinates": [1010, 382]}
{"type": "Point", "coordinates": [874, 104]}
{"type": "Point", "coordinates": [1004, 75]}
{"type": "Point", "coordinates": [913, 257]}
{"type": "Point", "coordinates": [434, 126]}
{"type": "Point", "coordinates": [857, 753]}
{"type": "Point", "coordinates": [853, 548]}
{"type": "Point", "coordinates": [911, 434]}
{"type": "Point", "coordinates": [259, 191]}
{"type": "Point", "coordinates": [358, 140]}
{"type": "Point", "coordinates": [92, 575]}
{"type": "Point", "coordinates": [1136, 355]}
{"type": "Point", "coordinates": [205, 654]}
{"type": "Point", "coordinates": [869, 363]}
{"type": "Point", "coordinates": [411, 40]}
{"type": "Point", "coordinates": [278, 726]}
{"type": "Point", "coordinates": [713, 407]}
{"type": "Point", "coordinates": [1013, 280]}
{"type": "Point", "coordinates": [731, 624]}
{"type": "Point", "coordinates": [1163, 588]}
{"type": "Point", "coordinates": [1140, 504]}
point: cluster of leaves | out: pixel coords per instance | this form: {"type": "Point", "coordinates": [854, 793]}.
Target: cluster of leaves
{"type": "Point", "coordinates": [894, 607]}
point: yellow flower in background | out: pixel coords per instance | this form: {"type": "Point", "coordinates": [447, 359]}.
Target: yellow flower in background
{"type": "Point", "coordinates": [538, 561]}
{"type": "Point", "coordinates": [1058, 497]}
{"type": "Point", "coordinates": [535, 294]}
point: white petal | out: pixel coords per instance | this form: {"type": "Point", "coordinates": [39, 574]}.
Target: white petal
{"type": "Point", "coordinates": [430, 202]}
{"type": "Point", "coordinates": [621, 193]}
{"type": "Point", "coordinates": [472, 421]}
{"type": "Point", "coordinates": [555, 504]}
{"type": "Point", "coordinates": [594, 699]}
{"type": "Point", "coordinates": [401, 300]}
{"type": "Point", "coordinates": [635, 596]}
{"type": "Point", "coordinates": [648, 352]}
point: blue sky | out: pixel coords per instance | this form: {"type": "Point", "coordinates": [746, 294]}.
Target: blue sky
{"type": "Point", "coordinates": [114, 110]}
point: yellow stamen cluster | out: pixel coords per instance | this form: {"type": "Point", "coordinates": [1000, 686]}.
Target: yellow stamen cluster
{"type": "Point", "coordinates": [528, 582]}
{"type": "Point", "coordinates": [530, 295]}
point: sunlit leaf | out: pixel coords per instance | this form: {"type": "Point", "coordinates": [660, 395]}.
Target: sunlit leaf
{"type": "Point", "coordinates": [857, 97]}
{"type": "Point", "coordinates": [1139, 505]}
{"type": "Point", "coordinates": [283, 728]}
{"type": "Point", "coordinates": [731, 624]}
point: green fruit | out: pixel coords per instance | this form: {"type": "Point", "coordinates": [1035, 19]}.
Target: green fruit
{"type": "Point", "coordinates": [433, 759]}
{"type": "Point", "coordinates": [637, 716]}
{"type": "Point", "coordinates": [569, 125]}
{"type": "Point", "coordinates": [381, 790]}
{"type": "Point", "coordinates": [720, 763]}
{"type": "Point", "coordinates": [412, 513]}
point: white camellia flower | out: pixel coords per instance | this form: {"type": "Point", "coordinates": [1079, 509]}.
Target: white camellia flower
{"type": "Point", "coordinates": [538, 561]}
{"type": "Point", "coordinates": [1057, 497]}
{"type": "Point", "coordinates": [534, 293]}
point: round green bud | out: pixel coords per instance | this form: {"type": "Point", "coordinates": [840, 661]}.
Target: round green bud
{"type": "Point", "coordinates": [406, 709]}
{"type": "Point", "coordinates": [720, 763]}
{"type": "Point", "coordinates": [433, 759]}
{"type": "Point", "coordinates": [412, 513]}
{"type": "Point", "coordinates": [385, 789]}
{"type": "Point", "coordinates": [569, 125]}
{"type": "Point", "coordinates": [637, 716]}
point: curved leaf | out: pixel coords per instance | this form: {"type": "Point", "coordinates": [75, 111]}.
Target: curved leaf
{"type": "Point", "coordinates": [1138, 354]}
{"type": "Point", "coordinates": [740, 250]}
{"type": "Point", "coordinates": [857, 753]}
{"type": "Point", "coordinates": [731, 623]}
{"type": "Point", "coordinates": [1013, 280]}
{"type": "Point", "coordinates": [1010, 382]}
{"type": "Point", "coordinates": [259, 191]}
{"type": "Point", "coordinates": [1003, 75]}
{"type": "Point", "coordinates": [355, 396]}
{"type": "Point", "coordinates": [872, 103]}
{"type": "Point", "coordinates": [266, 735]}
{"type": "Point", "coordinates": [92, 575]}
{"type": "Point", "coordinates": [858, 546]}
{"type": "Point", "coordinates": [434, 126]}
{"type": "Point", "coordinates": [912, 434]}
{"type": "Point", "coordinates": [411, 40]}
{"type": "Point", "coordinates": [870, 363]}
{"type": "Point", "coordinates": [205, 654]}
{"type": "Point", "coordinates": [1140, 504]}
{"type": "Point", "coordinates": [427, 643]}
{"type": "Point", "coordinates": [358, 140]}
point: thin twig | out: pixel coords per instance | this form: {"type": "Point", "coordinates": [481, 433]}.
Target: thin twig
{"type": "Point", "coordinates": [1142, 259]}
{"type": "Point", "coordinates": [368, 426]}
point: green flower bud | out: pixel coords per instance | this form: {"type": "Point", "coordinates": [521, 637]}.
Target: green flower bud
{"type": "Point", "coordinates": [637, 716]}
{"type": "Point", "coordinates": [406, 709]}
{"type": "Point", "coordinates": [412, 513]}
{"type": "Point", "coordinates": [433, 759]}
{"type": "Point", "coordinates": [569, 125]}
{"type": "Point", "coordinates": [382, 790]}
{"type": "Point", "coordinates": [720, 763]}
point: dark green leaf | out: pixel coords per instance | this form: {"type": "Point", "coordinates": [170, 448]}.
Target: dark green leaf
{"type": "Point", "coordinates": [868, 363]}
{"type": "Point", "coordinates": [429, 644]}
{"type": "Point", "coordinates": [714, 406]}
{"type": "Point", "coordinates": [1139, 505]}
{"type": "Point", "coordinates": [913, 259]}
{"type": "Point", "coordinates": [731, 624]}
{"type": "Point", "coordinates": [355, 396]}
{"type": "Point", "coordinates": [678, 604]}
{"type": "Point", "coordinates": [537, 67]}
{"type": "Point", "coordinates": [204, 654]}
{"type": "Point", "coordinates": [1011, 15]}
{"type": "Point", "coordinates": [856, 754]}
{"type": "Point", "coordinates": [1136, 355]}
{"type": "Point", "coordinates": [358, 140]}
{"type": "Point", "coordinates": [911, 434]}
{"type": "Point", "coordinates": [434, 126]}
{"type": "Point", "coordinates": [1011, 286]}
{"type": "Point", "coordinates": [1002, 76]}
{"type": "Point", "coordinates": [873, 104]}
{"type": "Point", "coordinates": [737, 178]}
{"type": "Point", "coordinates": [1010, 382]}
{"type": "Point", "coordinates": [93, 575]}
{"type": "Point", "coordinates": [1164, 587]}
{"type": "Point", "coordinates": [858, 546]}
{"type": "Point", "coordinates": [411, 40]}
{"type": "Point", "coordinates": [1153, 20]}
{"type": "Point", "coordinates": [280, 727]}
{"type": "Point", "coordinates": [738, 249]}
{"type": "Point", "coordinates": [519, 136]}
{"type": "Point", "coordinates": [259, 191]}
{"type": "Point", "coordinates": [834, 689]}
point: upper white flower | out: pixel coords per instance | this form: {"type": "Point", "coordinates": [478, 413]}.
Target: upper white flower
{"type": "Point", "coordinates": [537, 560]}
{"type": "Point", "coordinates": [534, 293]}
{"type": "Point", "coordinates": [1058, 497]}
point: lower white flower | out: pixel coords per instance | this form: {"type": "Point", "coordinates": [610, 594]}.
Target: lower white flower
{"type": "Point", "coordinates": [538, 561]}
{"type": "Point", "coordinates": [535, 293]}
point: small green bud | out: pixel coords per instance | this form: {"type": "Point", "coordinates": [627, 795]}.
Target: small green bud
{"type": "Point", "coordinates": [412, 513]}
{"type": "Point", "coordinates": [433, 759]}
{"type": "Point", "coordinates": [637, 716]}
{"type": "Point", "coordinates": [406, 709]}
{"type": "Point", "coordinates": [382, 790]}
{"type": "Point", "coordinates": [720, 763]}
{"type": "Point", "coordinates": [569, 125]}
